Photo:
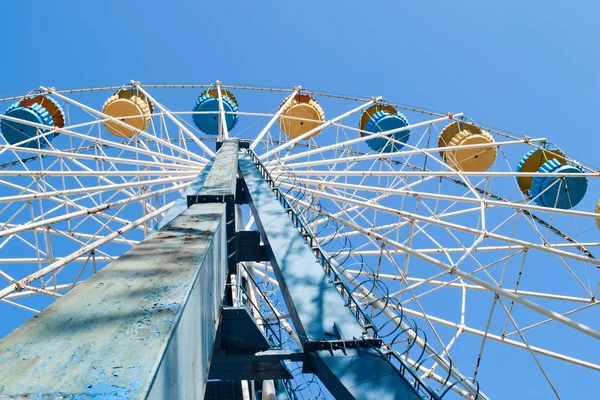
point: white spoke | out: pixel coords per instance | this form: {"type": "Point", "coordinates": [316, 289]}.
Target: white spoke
{"type": "Point", "coordinates": [459, 264]}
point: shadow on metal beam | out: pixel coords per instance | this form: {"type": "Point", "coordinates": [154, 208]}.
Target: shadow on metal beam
{"type": "Point", "coordinates": [320, 315]}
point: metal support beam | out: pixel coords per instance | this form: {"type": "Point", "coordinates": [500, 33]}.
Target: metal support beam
{"type": "Point", "coordinates": [149, 325]}
{"type": "Point", "coordinates": [224, 390]}
{"type": "Point", "coordinates": [248, 247]}
{"type": "Point", "coordinates": [145, 326]}
{"type": "Point", "coordinates": [360, 374]}
{"type": "Point", "coordinates": [220, 186]}
{"type": "Point", "coordinates": [334, 342]}
{"type": "Point", "coordinates": [141, 328]}
{"type": "Point", "coordinates": [317, 310]}
{"type": "Point", "coordinates": [242, 351]}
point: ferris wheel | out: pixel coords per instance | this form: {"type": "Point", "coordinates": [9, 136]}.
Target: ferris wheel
{"type": "Point", "coordinates": [470, 251]}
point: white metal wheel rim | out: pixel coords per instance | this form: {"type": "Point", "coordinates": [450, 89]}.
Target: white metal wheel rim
{"type": "Point", "coordinates": [184, 164]}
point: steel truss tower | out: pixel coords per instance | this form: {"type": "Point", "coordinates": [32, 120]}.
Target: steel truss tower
{"type": "Point", "coordinates": [173, 319]}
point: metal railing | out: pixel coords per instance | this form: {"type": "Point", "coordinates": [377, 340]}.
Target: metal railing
{"type": "Point", "coordinates": [363, 319]}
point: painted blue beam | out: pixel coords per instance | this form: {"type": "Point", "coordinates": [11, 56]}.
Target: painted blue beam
{"type": "Point", "coordinates": [317, 309]}
{"type": "Point", "coordinates": [224, 161]}
{"type": "Point", "coordinates": [141, 328]}
{"type": "Point", "coordinates": [222, 178]}
{"type": "Point", "coordinates": [220, 186]}
{"type": "Point", "coordinates": [361, 374]}
{"type": "Point", "coordinates": [144, 327]}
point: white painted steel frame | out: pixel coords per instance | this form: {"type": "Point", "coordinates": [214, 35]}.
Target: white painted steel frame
{"type": "Point", "coordinates": [344, 190]}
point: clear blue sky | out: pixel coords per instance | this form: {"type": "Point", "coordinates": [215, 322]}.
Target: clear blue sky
{"type": "Point", "coordinates": [528, 67]}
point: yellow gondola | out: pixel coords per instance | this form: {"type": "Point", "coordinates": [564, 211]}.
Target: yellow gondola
{"type": "Point", "coordinates": [130, 106]}
{"type": "Point", "coordinates": [476, 159]}
{"type": "Point", "coordinates": [309, 113]}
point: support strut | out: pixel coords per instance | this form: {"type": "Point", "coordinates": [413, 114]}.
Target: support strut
{"type": "Point", "coordinates": [335, 342]}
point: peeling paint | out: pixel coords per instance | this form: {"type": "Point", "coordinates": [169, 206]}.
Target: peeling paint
{"type": "Point", "coordinates": [110, 345]}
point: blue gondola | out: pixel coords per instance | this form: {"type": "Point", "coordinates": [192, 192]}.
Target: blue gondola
{"type": "Point", "coordinates": [385, 120]}
{"type": "Point", "coordinates": [209, 102]}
